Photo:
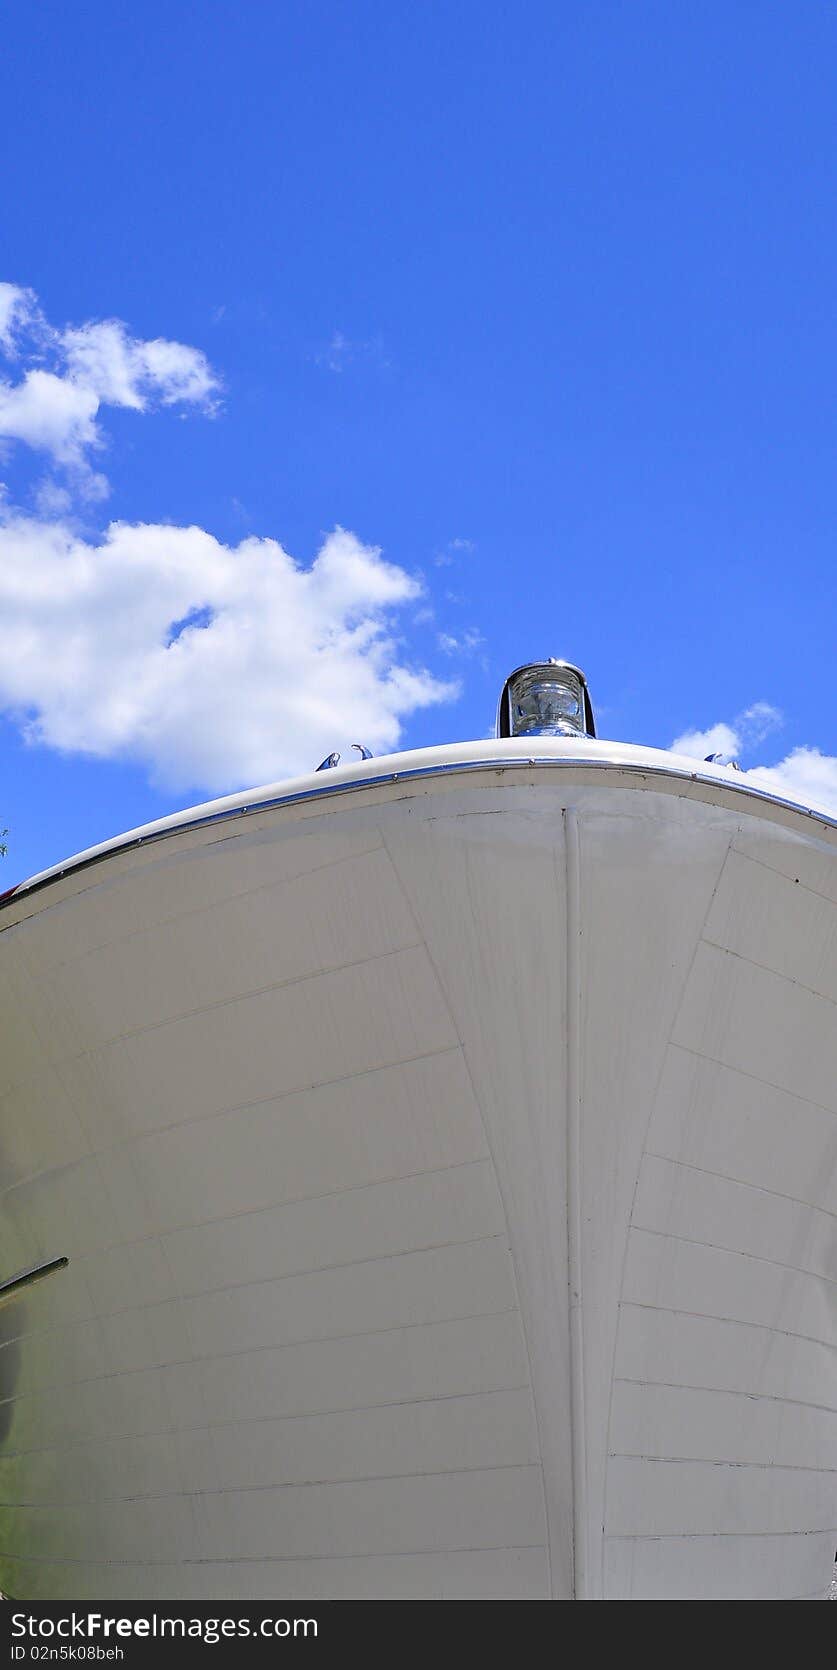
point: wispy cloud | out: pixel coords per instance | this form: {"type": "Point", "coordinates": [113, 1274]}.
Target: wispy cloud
{"type": "Point", "coordinates": [466, 643]}
{"type": "Point", "coordinates": [804, 774]}
{"type": "Point", "coordinates": [64, 377]}
{"type": "Point", "coordinates": [343, 351]}
{"type": "Point", "coordinates": [16, 307]}
{"type": "Point", "coordinates": [454, 549]}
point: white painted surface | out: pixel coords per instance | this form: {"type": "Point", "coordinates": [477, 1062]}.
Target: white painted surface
{"type": "Point", "coordinates": [290, 1089]}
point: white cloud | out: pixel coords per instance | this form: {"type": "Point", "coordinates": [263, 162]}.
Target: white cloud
{"type": "Point", "coordinates": [739, 736]}
{"type": "Point", "coordinates": [718, 739]}
{"type": "Point", "coordinates": [213, 665]}
{"type": "Point", "coordinates": [805, 774]}
{"type": "Point", "coordinates": [122, 371]}
{"type": "Point", "coordinates": [68, 375]}
{"type": "Point", "coordinates": [52, 414]}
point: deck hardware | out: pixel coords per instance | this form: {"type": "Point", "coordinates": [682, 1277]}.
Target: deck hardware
{"type": "Point", "coordinates": [27, 1278]}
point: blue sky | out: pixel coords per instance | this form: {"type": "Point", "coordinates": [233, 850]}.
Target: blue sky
{"type": "Point", "coordinates": [536, 302]}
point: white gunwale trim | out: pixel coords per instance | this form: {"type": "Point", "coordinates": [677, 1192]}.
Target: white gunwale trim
{"type": "Point", "coordinates": [654, 767]}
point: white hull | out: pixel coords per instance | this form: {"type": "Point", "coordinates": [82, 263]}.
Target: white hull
{"type": "Point", "coordinates": [447, 1167]}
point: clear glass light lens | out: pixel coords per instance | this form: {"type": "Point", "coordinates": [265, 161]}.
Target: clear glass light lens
{"type": "Point", "coordinates": [543, 705]}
